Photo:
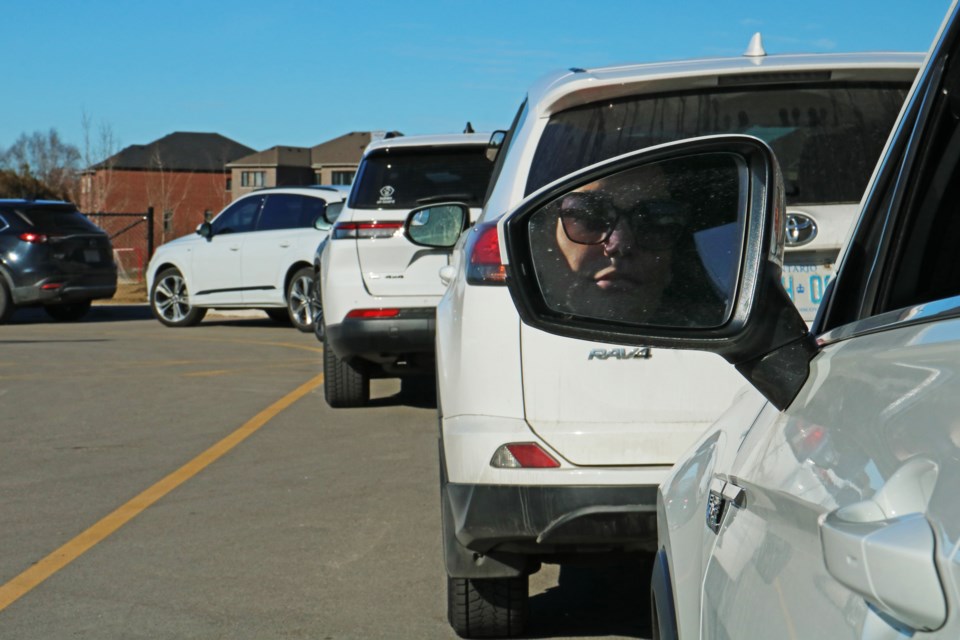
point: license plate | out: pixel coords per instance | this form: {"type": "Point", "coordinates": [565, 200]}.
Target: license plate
{"type": "Point", "coordinates": [91, 255]}
{"type": "Point", "coordinates": [805, 284]}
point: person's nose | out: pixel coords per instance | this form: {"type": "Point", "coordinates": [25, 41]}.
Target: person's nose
{"type": "Point", "coordinates": [620, 241]}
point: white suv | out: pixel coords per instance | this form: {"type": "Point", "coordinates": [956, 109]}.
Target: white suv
{"type": "Point", "coordinates": [255, 254]}
{"type": "Point", "coordinates": [823, 503]}
{"type": "Point", "coordinates": [552, 448]}
{"type": "Point", "coordinates": [378, 290]}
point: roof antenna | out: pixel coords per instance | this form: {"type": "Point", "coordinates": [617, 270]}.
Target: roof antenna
{"type": "Point", "coordinates": [755, 48]}
{"type": "Point", "coordinates": [468, 128]}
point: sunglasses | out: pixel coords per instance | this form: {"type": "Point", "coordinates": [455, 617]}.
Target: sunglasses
{"type": "Point", "coordinates": [590, 218]}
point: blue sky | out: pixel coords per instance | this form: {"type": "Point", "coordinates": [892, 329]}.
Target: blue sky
{"type": "Point", "coordinates": [301, 72]}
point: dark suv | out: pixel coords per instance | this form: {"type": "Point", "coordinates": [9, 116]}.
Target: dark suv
{"type": "Point", "coordinates": [52, 256]}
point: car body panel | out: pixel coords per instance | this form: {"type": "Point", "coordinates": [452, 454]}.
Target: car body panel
{"type": "Point", "coordinates": [215, 264]}
{"type": "Point", "coordinates": [878, 401]}
{"type": "Point", "coordinates": [602, 405]}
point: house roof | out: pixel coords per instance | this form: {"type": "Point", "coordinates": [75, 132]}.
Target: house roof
{"type": "Point", "coordinates": [348, 148]}
{"type": "Point", "coordinates": [275, 157]}
{"type": "Point", "coordinates": [178, 151]}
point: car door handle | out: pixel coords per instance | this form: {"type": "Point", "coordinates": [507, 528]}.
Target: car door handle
{"type": "Point", "coordinates": [285, 244]}
{"type": "Point", "coordinates": [234, 247]}
{"type": "Point", "coordinates": [883, 549]}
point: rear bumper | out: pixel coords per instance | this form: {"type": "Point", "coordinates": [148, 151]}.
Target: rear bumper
{"type": "Point", "coordinates": [553, 519]}
{"type": "Point", "coordinates": [65, 289]}
{"type": "Point", "coordinates": [412, 331]}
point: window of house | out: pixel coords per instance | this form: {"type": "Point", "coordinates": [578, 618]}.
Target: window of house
{"type": "Point", "coordinates": [343, 177]}
{"type": "Point", "coordinates": [207, 215]}
{"type": "Point", "coordinates": [252, 178]}
{"type": "Point", "coordinates": [168, 221]}
{"type": "Point", "coordinates": [229, 184]}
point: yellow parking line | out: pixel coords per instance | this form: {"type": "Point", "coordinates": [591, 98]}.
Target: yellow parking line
{"type": "Point", "coordinates": [23, 583]}
{"type": "Point", "coordinates": [201, 374]}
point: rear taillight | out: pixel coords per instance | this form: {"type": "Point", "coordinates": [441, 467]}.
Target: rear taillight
{"type": "Point", "coordinates": [33, 238]}
{"type": "Point", "coordinates": [523, 455]}
{"type": "Point", "coordinates": [373, 313]}
{"type": "Point", "coordinates": [483, 256]}
{"type": "Point", "coordinates": [365, 230]}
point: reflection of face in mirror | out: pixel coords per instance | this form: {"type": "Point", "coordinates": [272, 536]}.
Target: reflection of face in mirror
{"type": "Point", "coordinates": [642, 246]}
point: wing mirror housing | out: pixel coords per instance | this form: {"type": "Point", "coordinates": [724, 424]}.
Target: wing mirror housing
{"type": "Point", "coordinates": [205, 229]}
{"type": "Point", "coordinates": [676, 246]}
{"type": "Point", "coordinates": [437, 226]}
{"type": "Point", "coordinates": [330, 214]}
{"type": "Point", "coordinates": [495, 144]}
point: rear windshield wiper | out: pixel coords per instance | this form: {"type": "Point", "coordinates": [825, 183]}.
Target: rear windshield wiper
{"type": "Point", "coordinates": [447, 197]}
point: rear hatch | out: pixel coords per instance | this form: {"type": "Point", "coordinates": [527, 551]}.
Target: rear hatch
{"type": "Point", "coordinates": [606, 405]}
{"type": "Point", "coordinates": [74, 245]}
{"type": "Point", "coordinates": [393, 181]}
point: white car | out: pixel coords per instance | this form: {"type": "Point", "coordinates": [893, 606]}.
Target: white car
{"type": "Point", "coordinates": [378, 290]}
{"type": "Point", "coordinates": [552, 448]}
{"type": "Point", "coordinates": [823, 503]}
{"type": "Point", "coordinates": [255, 254]}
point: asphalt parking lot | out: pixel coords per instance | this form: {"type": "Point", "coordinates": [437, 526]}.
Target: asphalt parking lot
{"type": "Point", "coordinates": [193, 483]}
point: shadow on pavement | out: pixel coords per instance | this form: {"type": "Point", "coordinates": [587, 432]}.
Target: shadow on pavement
{"type": "Point", "coordinates": [98, 313]}
{"type": "Point", "coordinates": [594, 601]}
{"type": "Point", "coordinates": [420, 393]}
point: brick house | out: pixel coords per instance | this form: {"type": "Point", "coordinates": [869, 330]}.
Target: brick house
{"type": "Point", "coordinates": [332, 162]}
{"type": "Point", "coordinates": [183, 176]}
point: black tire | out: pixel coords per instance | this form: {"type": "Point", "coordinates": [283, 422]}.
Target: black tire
{"type": "Point", "coordinates": [300, 299]}
{"type": "Point", "coordinates": [343, 385]}
{"type": "Point", "coordinates": [279, 316]}
{"type": "Point", "coordinates": [68, 312]}
{"type": "Point", "coordinates": [6, 302]}
{"type": "Point", "coordinates": [170, 301]}
{"type": "Point", "coordinates": [488, 607]}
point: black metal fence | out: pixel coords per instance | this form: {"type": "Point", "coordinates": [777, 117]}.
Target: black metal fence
{"type": "Point", "coordinates": [132, 237]}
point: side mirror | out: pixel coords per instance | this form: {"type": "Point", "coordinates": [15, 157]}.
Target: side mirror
{"type": "Point", "coordinates": [205, 229]}
{"type": "Point", "coordinates": [330, 214]}
{"type": "Point", "coordinates": [437, 225]}
{"type": "Point", "coordinates": [676, 246]}
{"type": "Point", "coordinates": [495, 144]}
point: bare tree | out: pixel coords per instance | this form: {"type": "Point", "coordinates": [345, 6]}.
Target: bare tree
{"type": "Point", "coordinates": [47, 158]}
{"type": "Point", "coordinates": [96, 180]}
{"type": "Point", "coordinates": [166, 190]}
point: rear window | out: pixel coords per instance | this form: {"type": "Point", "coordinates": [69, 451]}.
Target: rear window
{"type": "Point", "coordinates": [404, 178]}
{"type": "Point", "coordinates": [827, 136]}
{"type": "Point", "coordinates": [57, 220]}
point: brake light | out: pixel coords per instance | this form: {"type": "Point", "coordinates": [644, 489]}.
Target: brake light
{"type": "Point", "coordinates": [483, 256]}
{"type": "Point", "coordinates": [365, 230]}
{"type": "Point", "coordinates": [33, 238]}
{"type": "Point", "coordinates": [51, 285]}
{"type": "Point", "coordinates": [526, 455]}
{"type": "Point", "coordinates": [373, 313]}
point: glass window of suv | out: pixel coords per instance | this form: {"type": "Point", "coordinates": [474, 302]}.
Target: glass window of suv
{"type": "Point", "coordinates": [289, 211]}
{"type": "Point", "coordinates": [404, 178]}
{"type": "Point", "coordinates": [827, 136]}
{"type": "Point", "coordinates": [239, 217]}
{"type": "Point", "coordinates": [57, 220]}
{"type": "Point", "coordinates": [923, 266]}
